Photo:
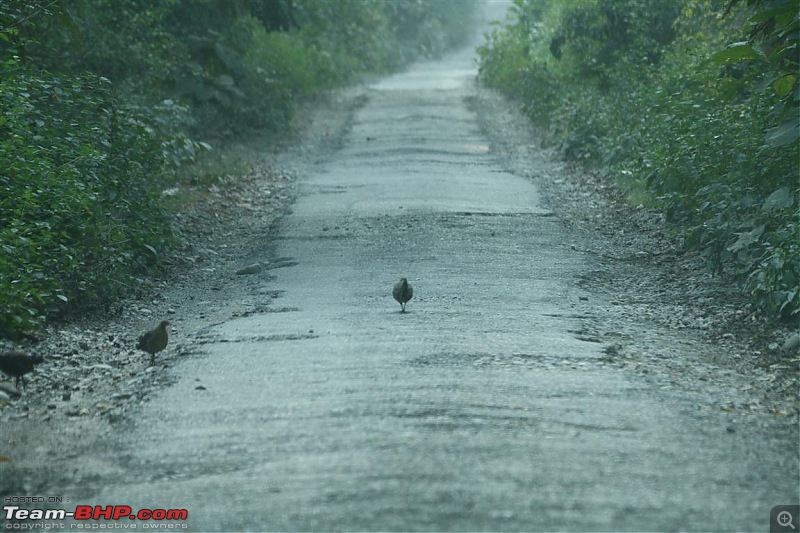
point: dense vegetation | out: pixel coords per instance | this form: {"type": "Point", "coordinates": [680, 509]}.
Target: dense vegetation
{"type": "Point", "coordinates": [101, 99]}
{"type": "Point", "coordinates": [692, 105]}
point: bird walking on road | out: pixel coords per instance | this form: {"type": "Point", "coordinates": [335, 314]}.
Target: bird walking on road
{"type": "Point", "coordinates": [402, 292]}
{"type": "Point", "coordinates": [155, 340]}
{"type": "Point", "coordinates": [16, 364]}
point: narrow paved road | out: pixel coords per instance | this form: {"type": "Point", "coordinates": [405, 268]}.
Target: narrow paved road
{"type": "Point", "coordinates": [481, 408]}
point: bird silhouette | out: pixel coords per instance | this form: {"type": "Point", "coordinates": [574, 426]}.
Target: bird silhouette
{"type": "Point", "coordinates": [402, 292]}
{"type": "Point", "coordinates": [16, 364]}
{"type": "Point", "coordinates": [155, 340]}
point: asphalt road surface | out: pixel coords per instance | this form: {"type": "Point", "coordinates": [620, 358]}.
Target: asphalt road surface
{"type": "Point", "coordinates": [480, 408]}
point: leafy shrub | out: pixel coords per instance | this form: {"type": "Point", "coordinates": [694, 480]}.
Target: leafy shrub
{"type": "Point", "coordinates": [78, 211]}
{"type": "Point", "coordinates": [641, 87]}
{"type": "Point", "coordinates": [276, 69]}
{"type": "Point", "coordinates": [596, 36]}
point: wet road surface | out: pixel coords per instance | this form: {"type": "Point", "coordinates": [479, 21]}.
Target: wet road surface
{"type": "Point", "coordinates": [481, 408]}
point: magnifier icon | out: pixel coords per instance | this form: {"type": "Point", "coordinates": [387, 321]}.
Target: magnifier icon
{"type": "Point", "coordinates": [785, 519]}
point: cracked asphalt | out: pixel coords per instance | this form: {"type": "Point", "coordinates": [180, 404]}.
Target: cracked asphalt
{"type": "Point", "coordinates": [485, 407]}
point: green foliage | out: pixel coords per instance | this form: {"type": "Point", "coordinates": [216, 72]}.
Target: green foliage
{"type": "Point", "coordinates": [239, 64]}
{"type": "Point", "coordinates": [774, 41]}
{"type": "Point", "coordinates": [667, 107]}
{"type": "Point", "coordinates": [78, 213]}
{"type": "Point", "coordinates": [596, 36]}
{"type": "Point", "coordinates": [336, 26]}
{"type": "Point", "coordinates": [101, 100]}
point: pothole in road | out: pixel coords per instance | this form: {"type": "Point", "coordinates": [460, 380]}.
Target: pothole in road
{"type": "Point", "coordinates": [537, 360]}
{"type": "Point", "coordinates": [281, 310]}
{"type": "Point", "coordinates": [476, 417]}
{"type": "Point", "coordinates": [263, 309]}
{"type": "Point", "coordinates": [282, 262]}
{"type": "Point", "coordinates": [257, 338]}
{"type": "Point", "coordinates": [333, 189]}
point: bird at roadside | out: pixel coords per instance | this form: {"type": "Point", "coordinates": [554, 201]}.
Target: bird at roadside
{"type": "Point", "coordinates": [402, 292]}
{"type": "Point", "coordinates": [16, 364]}
{"type": "Point", "coordinates": [155, 340]}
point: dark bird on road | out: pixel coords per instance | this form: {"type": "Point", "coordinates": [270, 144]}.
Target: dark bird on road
{"type": "Point", "coordinates": [155, 340]}
{"type": "Point", "coordinates": [402, 292]}
{"type": "Point", "coordinates": [16, 364]}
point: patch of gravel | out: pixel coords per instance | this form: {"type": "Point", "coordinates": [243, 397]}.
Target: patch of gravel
{"type": "Point", "coordinates": [669, 318]}
{"type": "Point", "coordinates": [94, 375]}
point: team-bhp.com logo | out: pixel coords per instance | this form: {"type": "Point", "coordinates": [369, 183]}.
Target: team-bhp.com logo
{"type": "Point", "coordinates": [91, 514]}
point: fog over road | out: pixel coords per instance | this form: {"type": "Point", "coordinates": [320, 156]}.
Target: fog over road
{"type": "Point", "coordinates": [481, 408]}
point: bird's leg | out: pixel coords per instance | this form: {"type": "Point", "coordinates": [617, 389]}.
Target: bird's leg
{"type": "Point", "coordinates": [152, 359]}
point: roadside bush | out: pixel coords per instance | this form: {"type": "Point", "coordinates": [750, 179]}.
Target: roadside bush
{"type": "Point", "coordinates": [649, 90]}
{"type": "Point", "coordinates": [78, 213]}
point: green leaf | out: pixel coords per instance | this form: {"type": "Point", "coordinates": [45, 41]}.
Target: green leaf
{"type": "Point", "coordinates": [786, 133]}
{"type": "Point", "coordinates": [746, 238]}
{"type": "Point", "coordinates": [780, 199]}
{"type": "Point", "coordinates": [784, 84]}
{"type": "Point", "coordinates": [783, 13]}
{"type": "Point", "coordinates": [736, 52]}
{"type": "Point", "coordinates": [766, 82]}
